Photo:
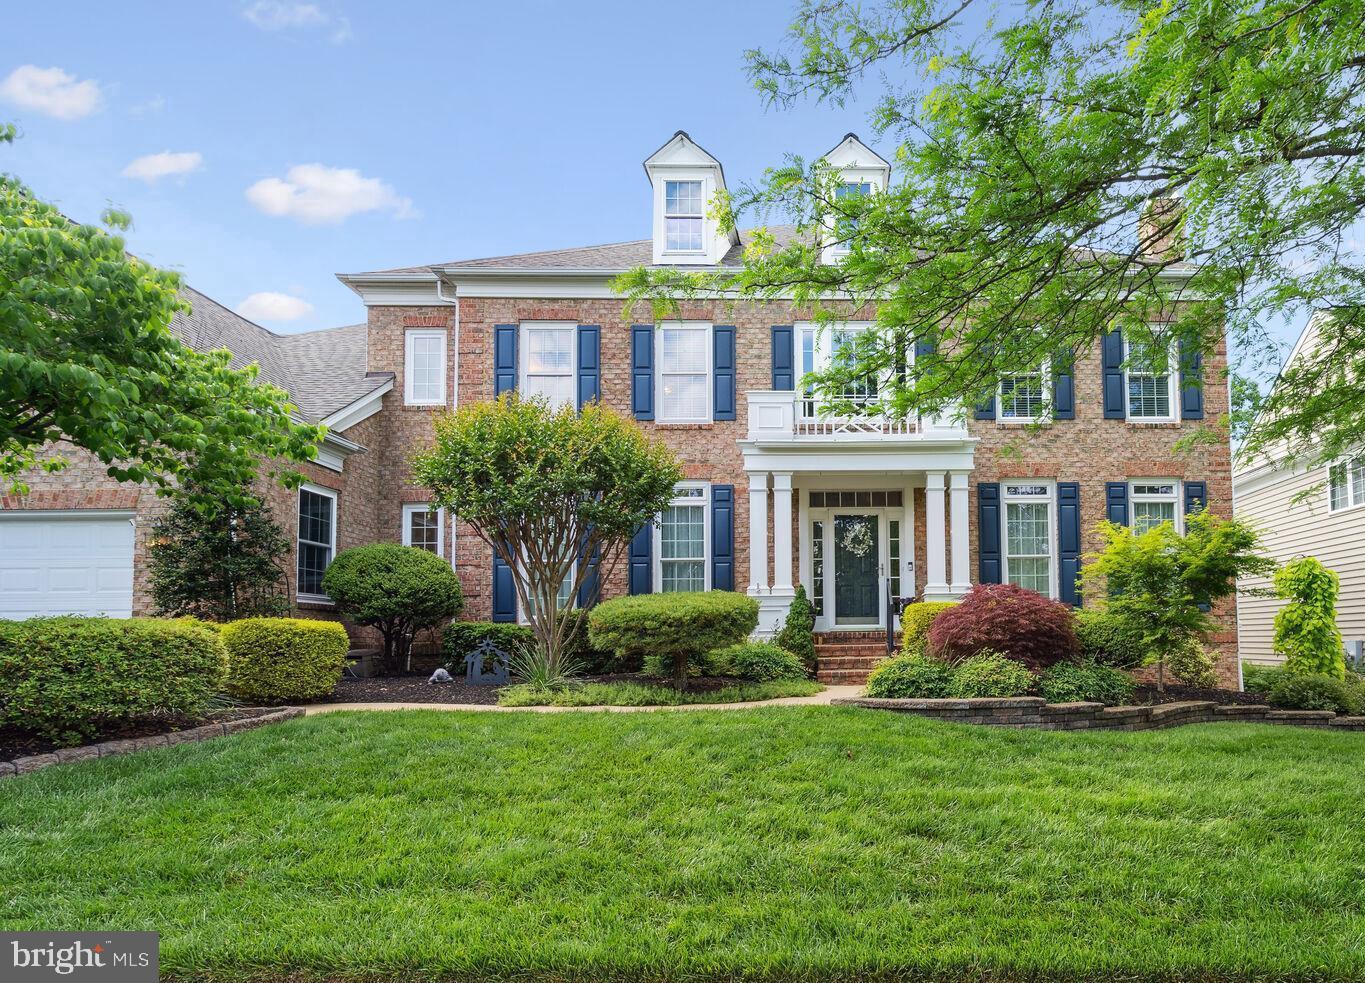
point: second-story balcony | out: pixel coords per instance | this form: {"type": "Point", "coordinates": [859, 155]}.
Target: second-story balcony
{"type": "Point", "coordinates": [784, 416]}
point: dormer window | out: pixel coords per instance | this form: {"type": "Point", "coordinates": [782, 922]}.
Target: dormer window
{"type": "Point", "coordinates": [683, 216]}
{"type": "Point", "coordinates": [845, 226]}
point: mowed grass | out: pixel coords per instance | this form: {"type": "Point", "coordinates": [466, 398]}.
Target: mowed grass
{"type": "Point", "coordinates": [792, 843]}
{"type": "Point", "coordinates": [627, 694]}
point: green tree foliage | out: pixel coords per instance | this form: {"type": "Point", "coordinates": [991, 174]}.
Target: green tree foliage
{"type": "Point", "coordinates": [87, 356]}
{"type": "Point", "coordinates": [1162, 584]}
{"type": "Point", "coordinates": [545, 489]}
{"type": "Point", "coordinates": [798, 631]}
{"type": "Point", "coordinates": [219, 561]}
{"type": "Point", "coordinates": [397, 590]}
{"type": "Point", "coordinates": [1306, 628]}
{"type": "Point", "coordinates": [1028, 140]}
{"type": "Point", "coordinates": [680, 628]}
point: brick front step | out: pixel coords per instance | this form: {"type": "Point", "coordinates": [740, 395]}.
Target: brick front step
{"type": "Point", "coordinates": [861, 649]}
{"type": "Point", "coordinates": [842, 661]}
{"type": "Point", "coordinates": [842, 677]}
{"type": "Point", "coordinates": [849, 637]}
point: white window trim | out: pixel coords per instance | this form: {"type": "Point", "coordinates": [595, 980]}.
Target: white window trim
{"type": "Point", "coordinates": [1172, 385]}
{"type": "Point", "coordinates": [408, 337]}
{"type": "Point", "coordinates": [703, 327]}
{"type": "Point", "coordinates": [822, 353]}
{"type": "Point", "coordinates": [524, 361]}
{"type": "Point", "coordinates": [1044, 416]}
{"type": "Point", "coordinates": [298, 539]}
{"type": "Point", "coordinates": [524, 617]}
{"type": "Point", "coordinates": [1053, 552]}
{"type": "Point", "coordinates": [1350, 503]}
{"type": "Point", "coordinates": [656, 547]}
{"type": "Point", "coordinates": [1174, 498]}
{"type": "Point", "coordinates": [410, 509]}
{"type": "Point", "coordinates": [663, 226]}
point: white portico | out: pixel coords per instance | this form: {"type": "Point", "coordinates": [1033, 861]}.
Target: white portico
{"type": "Point", "coordinates": [851, 483]}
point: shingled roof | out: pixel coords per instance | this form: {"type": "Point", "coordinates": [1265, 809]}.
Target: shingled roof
{"type": "Point", "coordinates": [323, 371]}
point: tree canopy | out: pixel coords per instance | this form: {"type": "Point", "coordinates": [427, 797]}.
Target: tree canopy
{"type": "Point", "coordinates": [1029, 142]}
{"type": "Point", "coordinates": [87, 356]}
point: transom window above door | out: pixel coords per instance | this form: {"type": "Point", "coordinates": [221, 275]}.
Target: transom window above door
{"type": "Point", "coordinates": [547, 366]}
{"type": "Point", "coordinates": [856, 499]}
{"type": "Point", "coordinates": [1153, 502]}
{"type": "Point", "coordinates": [683, 216]}
{"type": "Point", "coordinates": [1028, 518]}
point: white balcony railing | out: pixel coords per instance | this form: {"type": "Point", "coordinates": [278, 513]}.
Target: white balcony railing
{"type": "Point", "coordinates": [856, 414]}
{"type": "Point", "coordinates": [789, 416]}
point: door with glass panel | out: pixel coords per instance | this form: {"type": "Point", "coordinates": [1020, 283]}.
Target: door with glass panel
{"type": "Point", "coordinates": [857, 570]}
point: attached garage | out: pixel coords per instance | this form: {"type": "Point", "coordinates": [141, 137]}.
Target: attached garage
{"type": "Point", "coordinates": [66, 563]}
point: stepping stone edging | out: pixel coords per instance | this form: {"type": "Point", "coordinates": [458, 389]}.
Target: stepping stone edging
{"type": "Point", "coordinates": [109, 749]}
{"type": "Point", "coordinates": [1032, 712]}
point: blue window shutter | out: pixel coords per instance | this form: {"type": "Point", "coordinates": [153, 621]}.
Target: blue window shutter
{"type": "Point", "coordinates": [642, 372]}
{"type": "Point", "coordinates": [504, 591]}
{"type": "Point", "coordinates": [784, 358]}
{"type": "Point", "coordinates": [1115, 405]}
{"type": "Point", "coordinates": [723, 339]}
{"type": "Point", "coordinates": [1196, 496]}
{"type": "Point", "coordinates": [1068, 541]}
{"type": "Point", "coordinates": [1191, 380]}
{"type": "Point", "coordinates": [504, 358]}
{"type": "Point", "coordinates": [1116, 502]}
{"type": "Point", "coordinates": [988, 532]}
{"type": "Point", "coordinates": [986, 410]}
{"type": "Point", "coordinates": [641, 573]}
{"type": "Point", "coordinates": [1064, 387]}
{"type": "Point", "coordinates": [924, 346]}
{"type": "Point", "coordinates": [588, 590]}
{"type": "Point", "coordinates": [589, 363]}
{"type": "Point", "coordinates": [722, 537]}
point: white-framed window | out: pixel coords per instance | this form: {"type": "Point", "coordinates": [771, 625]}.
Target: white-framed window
{"type": "Point", "coordinates": [844, 227]}
{"type": "Point", "coordinates": [1153, 501]}
{"type": "Point", "coordinates": [684, 211]}
{"type": "Point", "coordinates": [317, 539]}
{"type": "Point", "coordinates": [681, 539]}
{"type": "Point", "coordinates": [424, 527]}
{"type": "Point", "coordinates": [547, 361]}
{"type": "Point", "coordinates": [1029, 519]}
{"type": "Point", "coordinates": [424, 367]}
{"type": "Point", "coordinates": [1021, 396]}
{"type": "Point", "coordinates": [825, 346]}
{"type": "Point", "coordinates": [1346, 483]}
{"type": "Point", "coordinates": [564, 599]}
{"type": "Point", "coordinates": [684, 372]}
{"type": "Point", "coordinates": [1151, 391]}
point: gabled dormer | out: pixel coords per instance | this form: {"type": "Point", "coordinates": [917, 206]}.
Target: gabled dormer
{"type": "Point", "coordinates": [685, 179]}
{"type": "Point", "coordinates": [860, 170]}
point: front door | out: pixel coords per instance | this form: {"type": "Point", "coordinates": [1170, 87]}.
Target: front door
{"type": "Point", "coordinates": [857, 570]}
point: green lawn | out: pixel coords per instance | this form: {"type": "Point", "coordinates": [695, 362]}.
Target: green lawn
{"type": "Point", "coordinates": [628, 694]}
{"type": "Point", "coordinates": [811, 843]}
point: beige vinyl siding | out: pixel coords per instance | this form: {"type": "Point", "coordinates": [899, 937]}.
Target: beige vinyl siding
{"type": "Point", "coordinates": [1293, 529]}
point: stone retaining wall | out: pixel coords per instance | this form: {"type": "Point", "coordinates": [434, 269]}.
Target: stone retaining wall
{"type": "Point", "coordinates": [109, 749]}
{"type": "Point", "coordinates": [1035, 713]}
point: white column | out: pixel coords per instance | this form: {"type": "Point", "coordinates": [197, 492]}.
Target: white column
{"type": "Point", "coordinates": [936, 576]}
{"type": "Point", "coordinates": [909, 576]}
{"type": "Point", "coordinates": [758, 532]}
{"type": "Point", "coordinates": [782, 533]}
{"type": "Point", "coordinates": [962, 577]}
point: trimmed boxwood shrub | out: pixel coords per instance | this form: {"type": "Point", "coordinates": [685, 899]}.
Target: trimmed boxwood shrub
{"type": "Point", "coordinates": [910, 677]}
{"type": "Point", "coordinates": [1193, 666]}
{"type": "Point", "coordinates": [762, 662]}
{"type": "Point", "coordinates": [1016, 622]}
{"type": "Point", "coordinates": [990, 674]}
{"type": "Point", "coordinates": [72, 679]}
{"type": "Point", "coordinates": [1259, 679]}
{"type": "Point", "coordinates": [1109, 639]}
{"type": "Point", "coordinates": [462, 637]}
{"type": "Point", "coordinates": [1086, 682]}
{"type": "Point", "coordinates": [680, 627]}
{"type": "Point", "coordinates": [281, 660]}
{"type": "Point", "coordinates": [915, 622]}
{"type": "Point", "coordinates": [1314, 691]}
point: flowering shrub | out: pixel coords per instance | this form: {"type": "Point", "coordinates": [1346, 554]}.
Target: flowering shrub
{"type": "Point", "coordinates": [1018, 623]}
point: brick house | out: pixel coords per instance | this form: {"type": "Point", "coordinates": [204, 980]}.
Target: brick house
{"type": "Point", "coordinates": [857, 508]}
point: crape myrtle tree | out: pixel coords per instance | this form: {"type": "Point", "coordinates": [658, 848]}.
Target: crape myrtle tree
{"type": "Point", "coordinates": [87, 356]}
{"type": "Point", "coordinates": [1063, 168]}
{"type": "Point", "coordinates": [557, 494]}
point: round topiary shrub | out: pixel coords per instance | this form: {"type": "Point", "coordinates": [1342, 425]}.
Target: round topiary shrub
{"type": "Point", "coordinates": [1020, 624]}
{"type": "Point", "coordinates": [915, 622]}
{"type": "Point", "coordinates": [990, 674]}
{"type": "Point", "coordinates": [1311, 691]}
{"type": "Point", "coordinates": [678, 627]}
{"type": "Point", "coordinates": [72, 679]}
{"type": "Point", "coordinates": [1109, 639]}
{"type": "Point", "coordinates": [910, 677]}
{"type": "Point", "coordinates": [761, 662]}
{"type": "Point", "coordinates": [283, 660]}
{"type": "Point", "coordinates": [1085, 682]}
{"type": "Point", "coordinates": [397, 590]}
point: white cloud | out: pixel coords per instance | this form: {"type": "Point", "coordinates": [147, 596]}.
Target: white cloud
{"type": "Point", "coordinates": [52, 92]}
{"type": "Point", "coordinates": [151, 107]}
{"type": "Point", "coordinates": [317, 194]}
{"type": "Point", "coordinates": [276, 15]}
{"type": "Point", "coordinates": [154, 167]}
{"type": "Point", "coordinates": [271, 306]}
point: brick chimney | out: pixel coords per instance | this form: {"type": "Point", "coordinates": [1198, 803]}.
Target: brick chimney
{"type": "Point", "coordinates": [1161, 229]}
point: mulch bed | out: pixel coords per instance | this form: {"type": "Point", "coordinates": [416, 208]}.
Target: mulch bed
{"type": "Point", "coordinates": [411, 688]}
{"type": "Point", "coordinates": [15, 744]}
{"type": "Point", "coordinates": [1149, 695]}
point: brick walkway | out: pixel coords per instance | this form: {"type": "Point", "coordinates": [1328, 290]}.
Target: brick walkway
{"type": "Point", "coordinates": [819, 699]}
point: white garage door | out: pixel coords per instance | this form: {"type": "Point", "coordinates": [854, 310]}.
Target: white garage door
{"type": "Point", "coordinates": [66, 563]}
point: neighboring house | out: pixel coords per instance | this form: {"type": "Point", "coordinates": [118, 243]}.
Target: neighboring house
{"type": "Point", "coordinates": [776, 494]}
{"type": "Point", "coordinates": [1303, 511]}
